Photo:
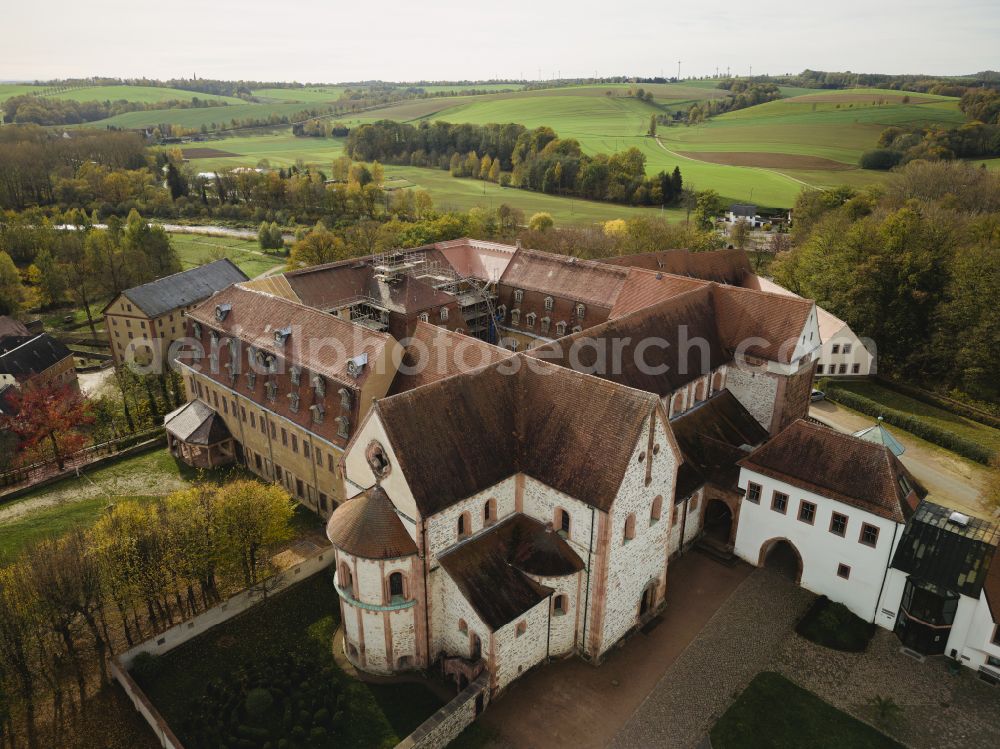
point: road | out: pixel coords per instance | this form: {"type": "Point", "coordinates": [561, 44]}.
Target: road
{"type": "Point", "coordinates": [949, 479]}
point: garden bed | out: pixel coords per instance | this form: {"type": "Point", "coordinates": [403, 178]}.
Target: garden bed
{"type": "Point", "coordinates": [774, 713]}
{"type": "Point", "coordinates": [211, 691]}
{"type": "Point", "coordinates": [834, 626]}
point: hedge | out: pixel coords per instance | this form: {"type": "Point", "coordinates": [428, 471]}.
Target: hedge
{"type": "Point", "coordinates": [943, 402]}
{"type": "Point", "coordinates": [912, 424]}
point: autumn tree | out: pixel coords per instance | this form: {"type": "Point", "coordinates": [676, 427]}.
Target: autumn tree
{"type": "Point", "coordinates": [47, 421]}
{"type": "Point", "coordinates": [740, 233]}
{"type": "Point", "coordinates": [11, 289]}
{"type": "Point", "coordinates": [252, 516]}
{"type": "Point", "coordinates": [541, 222]}
{"type": "Point", "coordinates": [319, 246]}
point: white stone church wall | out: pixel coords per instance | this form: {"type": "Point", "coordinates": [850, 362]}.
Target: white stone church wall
{"type": "Point", "coordinates": [756, 391]}
{"type": "Point", "coordinates": [442, 528]}
{"type": "Point", "coordinates": [562, 627]}
{"type": "Point", "coordinates": [449, 606]}
{"type": "Point", "coordinates": [515, 653]}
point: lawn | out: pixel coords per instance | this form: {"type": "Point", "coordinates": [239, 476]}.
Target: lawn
{"type": "Point", "coordinates": [981, 434]}
{"type": "Point", "coordinates": [53, 510]}
{"type": "Point", "coordinates": [300, 621]}
{"type": "Point", "coordinates": [198, 249]}
{"type": "Point", "coordinates": [774, 713]}
{"type": "Point", "coordinates": [144, 94]}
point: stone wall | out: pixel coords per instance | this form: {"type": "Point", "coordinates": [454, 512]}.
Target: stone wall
{"type": "Point", "coordinates": [521, 644]}
{"type": "Point", "coordinates": [446, 724]}
{"type": "Point", "coordinates": [756, 391]}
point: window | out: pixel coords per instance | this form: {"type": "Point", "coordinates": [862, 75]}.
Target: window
{"type": "Point", "coordinates": [396, 586]}
{"type": "Point", "coordinates": [343, 427]}
{"type": "Point", "coordinates": [323, 505]}
{"type": "Point", "coordinates": [819, 369]}
{"type": "Point", "coordinates": [377, 459]}
{"type": "Point", "coordinates": [318, 411]}
{"type": "Point", "coordinates": [463, 627]}
{"type": "Point", "coordinates": [443, 314]}
{"type": "Point", "coordinates": [284, 437]}
{"type": "Point", "coordinates": [847, 348]}
{"type": "Point", "coordinates": [562, 522]}
{"type": "Point", "coordinates": [561, 328]}
{"type": "Point", "coordinates": [656, 510]}
{"type": "Point", "coordinates": [807, 512]}
{"type": "Point", "coordinates": [996, 635]}
{"type": "Point", "coordinates": [844, 571]}
{"type": "Point", "coordinates": [842, 369]}
{"type": "Point", "coordinates": [293, 402]}
{"type": "Point", "coordinates": [779, 502]}
{"type": "Point", "coordinates": [835, 349]}
{"type": "Point", "coordinates": [463, 525]}
{"type": "Point", "coordinates": [296, 374]}
{"type": "Point", "coordinates": [559, 605]}
{"type": "Point", "coordinates": [529, 319]}
{"type": "Point", "coordinates": [838, 524]}
{"type": "Point", "coordinates": [549, 302]}
{"type": "Point", "coordinates": [319, 385]}
{"type": "Point", "coordinates": [306, 452]}
{"type": "Point", "coordinates": [869, 535]}
{"type": "Point", "coordinates": [272, 390]}
{"type": "Point", "coordinates": [502, 312]}
{"type": "Point", "coordinates": [753, 493]}
{"type": "Point", "coordinates": [546, 322]}
{"type": "Point", "coordinates": [518, 296]}
{"type": "Point", "coordinates": [629, 528]}
{"type": "Point", "coordinates": [855, 369]}
{"type": "Point", "coordinates": [489, 511]}
{"type": "Point", "coordinates": [299, 488]}
{"type": "Point", "coordinates": [346, 580]}
{"type": "Point", "coordinates": [424, 317]}
{"type": "Point", "coordinates": [522, 627]}
{"type": "Point", "coordinates": [580, 310]}
{"type": "Point", "coordinates": [515, 316]}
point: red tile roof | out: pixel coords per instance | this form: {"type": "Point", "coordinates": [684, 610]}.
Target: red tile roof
{"type": "Point", "coordinates": [584, 281]}
{"type": "Point", "coordinates": [644, 288]}
{"type": "Point", "coordinates": [839, 466]}
{"type": "Point", "coordinates": [461, 435]}
{"type": "Point", "coordinates": [368, 526]}
{"type": "Point", "coordinates": [434, 353]}
{"type": "Point", "coordinates": [721, 266]}
{"type": "Point", "coordinates": [777, 319]}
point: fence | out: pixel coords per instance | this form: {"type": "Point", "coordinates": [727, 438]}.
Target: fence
{"type": "Point", "coordinates": [38, 474]}
{"type": "Point", "coordinates": [197, 625]}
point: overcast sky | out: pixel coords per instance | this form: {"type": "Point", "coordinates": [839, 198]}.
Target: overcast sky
{"type": "Point", "coordinates": [338, 40]}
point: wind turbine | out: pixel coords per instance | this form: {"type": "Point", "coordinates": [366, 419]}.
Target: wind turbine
{"type": "Point", "coordinates": [679, 69]}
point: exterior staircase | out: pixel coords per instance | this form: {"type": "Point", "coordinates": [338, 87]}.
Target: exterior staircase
{"type": "Point", "coordinates": [717, 550]}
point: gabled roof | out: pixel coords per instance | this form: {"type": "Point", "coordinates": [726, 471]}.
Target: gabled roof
{"type": "Point", "coordinates": [721, 266]}
{"type": "Point", "coordinates": [619, 349]}
{"type": "Point", "coordinates": [461, 435]}
{"type": "Point", "coordinates": [319, 342]}
{"type": "Point", "coordinates": [368, 526]}
{"type": "Point", "coordinates": [324, 286]}
{"type": "Point", "coordinates": [435, 353]}
{"type": "Point", "coordinates": [29, 355]}
{"type": "Point", "coordinates": [948, 556]}
{"type": "Point", "coordinates": [492, 570]}
{"type": "Point", "coordinates": [9, 326]}
{"type": "Point", "coordinates": [585, 281]}
{"type": "Point", "coordinates": [185, 288]}
{"type": "Point", "coordinates": [841, 467]}
{"type": "Point", "coordinates": [829, 324]}
{"type": "Point", "coordinates": [712, 437]}
{"type": "Point", "coordinates": [644, 288]}
{"type": "Point", "coordinates": [196, 423]}
{"type": "Point", "coordinates": [777, 319]}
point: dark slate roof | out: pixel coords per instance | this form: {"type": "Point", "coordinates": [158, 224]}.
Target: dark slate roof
{"type": "Point", "coordinates": [721, 266]}
{"type": "Point", "coordinates": [7, 405]}
{"type": "Point", "coordinates": [492, 569]}
{"type": "Point", "coordinates": [948, 556]}
{"type": "Point", "coordinates": [839, 466]}
{"type": "Point", "coordinates": [660, 368]}
{"type": "Point", "coordinates": [28, 355]}
{"type": "Point", "coordinates": [196, 423]}
{"type": "Point", "coordinates": [712, 436]}
{"type": "Point", "coordinates": [743, 209]}
{"type": "Point", "coordinates": [368, 526]}
{"type": "Point", "coordinates": [9, 326]}
{"type": "Point", "coordinates": [461, 435]}
{"type": "Point", "coordinates": [185, 288]}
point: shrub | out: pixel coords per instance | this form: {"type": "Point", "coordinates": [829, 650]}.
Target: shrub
{"type": "Point", "coordinates": [258, 701]}
{"type": "Point", "coordinates": [146, 667]}
{"type": "Point", "coordinates": [880, 158]}
{"type": "Point", "coordinates": [834, 626]}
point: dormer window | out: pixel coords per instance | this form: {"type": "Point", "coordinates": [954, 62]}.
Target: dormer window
{"type": "Point", "coordinates": [546, 321]}
{"type": "Point", "coordinates": [561, 328]}
{"type": "Point", "coordinates": [424, 317]}
{"type": "Point", "coordinates": [234, 349]}
{"type": "Point", "coordinates": [529, 319]}
{"type": "Point", "coordinates": [345, 399]}
{"type": "Point", "coordinates": [577, 329]}
{"type": "Point", "coordinates": [196, 329]}
{"type": "Point", "coordinates": [549, 302]}
{"type": "Point", "coordinates": [281, 335]}
{"type": "Point", "coordinates": [319, 385]}
{"type": "Point", "coordinates": [580, 311]}
{"type": "Point", "coordinates": [515, 316]}
{"type": "Point", "coordinates": [296, 374]}
{"type": "Point", "coordinates": [214, 336]}
{"type": "Point", "coordinates": [293, 402]}
{"type": "Point", "coordinates": [443, 314]}
{"type": "Point", "coordinates": [318, 412]}
{"type": "Point", "coordinates": [518, 296]}
{"type": "Point", "coordinates": [251, 379]}
{"type": "Point", "coordinates": [222, 311]}
{"type": "Point", "coordinates": [343, 427]}
{"type": "Point", "coordinates": [502, 312]}
{"type": "Point", "coordinates": [271, 391]}
{"type": "Point", "coordinates": [356, 365]}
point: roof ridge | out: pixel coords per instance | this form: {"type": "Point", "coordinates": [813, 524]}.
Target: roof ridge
{"type": "Point", "coordinates": [181, 273]}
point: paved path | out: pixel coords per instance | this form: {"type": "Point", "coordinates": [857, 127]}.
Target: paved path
{"type": "Point", "coordinates": [950, 480]}
{"type": "Point", "coordinates": [741, 639]}
{"type": "Point", "coordinates": [573, 704]}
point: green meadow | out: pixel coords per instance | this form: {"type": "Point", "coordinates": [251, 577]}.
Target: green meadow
{"type": "Point", "coordinates": [198, 249]}
{"type": "Point", "coordinates": [144, 94]}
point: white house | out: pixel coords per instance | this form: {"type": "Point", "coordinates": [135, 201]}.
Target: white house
{"type": "Point", "coordinates": [843, 352]}
{"type": "Point", "coordinates": [942, 594]}
{"type": "Point", "coordinates": [830, 506]}
{"type": "Point", "coordinates": [746, 212]}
